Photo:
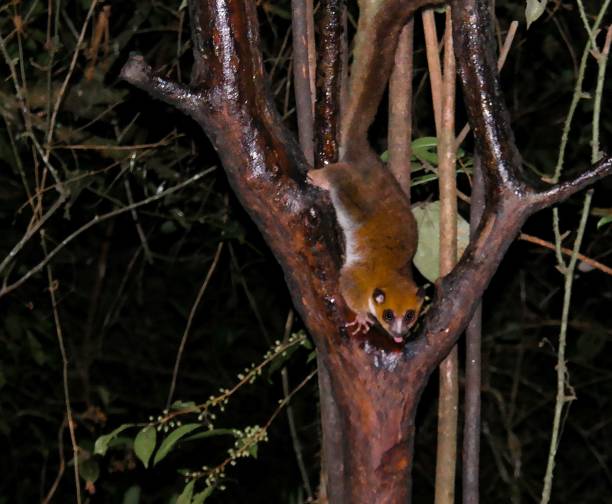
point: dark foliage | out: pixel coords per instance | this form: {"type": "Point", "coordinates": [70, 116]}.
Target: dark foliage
{"type": "Point", "coordinates": [125, 287]}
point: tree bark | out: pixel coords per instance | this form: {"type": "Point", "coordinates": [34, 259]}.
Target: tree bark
{"type": "Point", "coordinates": [374, 384]}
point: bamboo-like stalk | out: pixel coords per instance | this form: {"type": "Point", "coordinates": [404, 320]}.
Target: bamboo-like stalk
{"type": "Point", "coordinates": [301, 76]}
{"type": "Point", "coordinates": [432, 49]}
{"type": "Point", "coordinates": [400, 109]}
{"type": "Point", "coordinates": [449, 381]}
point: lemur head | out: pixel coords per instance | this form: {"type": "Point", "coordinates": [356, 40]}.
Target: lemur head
{"type": "Point", "coordinates": [397, 306]}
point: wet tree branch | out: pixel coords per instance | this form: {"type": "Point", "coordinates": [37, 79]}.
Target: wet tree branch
{"type": "Point", "coordinates": [373, 385]}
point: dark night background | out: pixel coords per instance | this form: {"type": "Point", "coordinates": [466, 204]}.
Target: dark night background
{"type": "Point", "coordinates": [123, 306]}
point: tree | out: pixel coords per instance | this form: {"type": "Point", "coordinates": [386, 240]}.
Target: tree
{"type": "Point", "coordinates": [369, 389]}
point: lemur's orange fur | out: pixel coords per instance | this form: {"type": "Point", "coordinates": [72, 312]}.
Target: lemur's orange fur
{"type": "Point", "coordinates": [381, 238]}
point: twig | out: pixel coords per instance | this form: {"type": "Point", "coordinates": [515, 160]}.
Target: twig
{"type": "Point", "coordinates": [62, 464]}
{"type": "Point", "coordinates": [31, 231]}
{"type": "Point", "coordinates": [295, 440]}
{"type": "Point", "coordinates": [577, 96]}
{"type": "Point", "coordinates": [139, 230]}
{"type": "Point", "coordinates": [250, 298]}
{"type": "Point", "coordinates": [248, 377]}
{"type": "Point", "coordinates": [585, 259]}
{"type": "Point", "coordinates": [602, 61]}
{"type": "Point", "coordinates": [60, 339]}
{"type": "Point", "coordinates": [96, 220]}
{"type": "Point", "coordinates": [562, 374]}
{"type": "Point", "coordinates": [71, 68]}
{"type": "Point", "coordinates": [161, 143]}
{"type": "Point", "coordinates": [245, 448]}
{"type": "Point", "coordinates": [196, 303]}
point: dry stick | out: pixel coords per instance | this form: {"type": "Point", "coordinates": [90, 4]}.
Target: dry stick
{"type": "Point", "coordinates": [312, 52]}
{"type": "Point", "coordinates": [295, 440]}
{"type": "Point", "coordinates": [473, 359]}
{"type": "Point", "coordinates": [432, 48]}
{"type": "Point", "coordinates": [62, 464]}
{"type": "Point", "coordinates": [196, 303]}
{"type": "Point", "coordinates": [301, 78]}
{"type": "Point", "coordinates": [585, 259]}
{"type": "Point", "coordinates": [60, 339]}
{"type": "Point", "coordinates": [400, 109]}
{"type": "Point", "coordinates": [139, 230]}
{"type": "Point", "coordinates": [501, 60]}
{"type": "Point", "coordinates": [32, 230]}
{"type": "Point", "coordinates": [446, 457]}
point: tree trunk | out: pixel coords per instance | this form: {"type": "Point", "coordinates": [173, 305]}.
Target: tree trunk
{"type": "Point", "coordinates": [370, 386]}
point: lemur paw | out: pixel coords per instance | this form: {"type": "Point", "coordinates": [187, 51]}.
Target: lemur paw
{"type": "Point", "coordinates": [363, 322]}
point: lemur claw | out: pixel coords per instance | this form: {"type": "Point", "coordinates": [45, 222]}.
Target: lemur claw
{"type": "Point", "coordinates": [363, 323]}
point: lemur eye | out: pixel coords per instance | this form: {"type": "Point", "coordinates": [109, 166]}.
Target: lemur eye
{"type": "Point", "coordinates": [388, 315]}
{"type": "Point", "coordinates": [378, 296]}
{"type": "Point", "coordinates": [409, 316]}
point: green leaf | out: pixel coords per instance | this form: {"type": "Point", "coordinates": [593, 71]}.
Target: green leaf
{"type": "Point", "coordinates": [89, 470]}
{"type": "Point", "coordinates": [102, 442]}
{"type": "Point", "coordinates": [427, 257]}
{"type": "Point", "coordinates": [533, 10]}
{"type": "Point", "coordinates": [425, 149]}
{"type": "Point", "coordinates": [171, 440]}
{"type": "Point", "coordinates": [311, 356]}
{"type": "Point", "coordinates": [199, 498]}
{"type": "Point", "coordinates": [604, 220]}
{"type": "Point", "coordinates": [424, 179]}
{"type": "Point", "coordinates": [253, 450]}
{"type": "Point", "coordinates": [144, 444]}
{"type": "Point", "coordinates": [132, 495]}
{"type": "Point", "coordinates": [186, 494]}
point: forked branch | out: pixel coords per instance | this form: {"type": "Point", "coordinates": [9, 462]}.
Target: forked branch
{"type": "Point", "coordinates": [510, 197]}
{"type": "Point", "coordinates": [370, 387]}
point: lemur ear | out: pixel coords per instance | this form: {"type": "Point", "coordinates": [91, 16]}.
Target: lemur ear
{"type": "Point", "coordinates": [378, 296]}
{"type": "Point", "coordinates": [421, 293]}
